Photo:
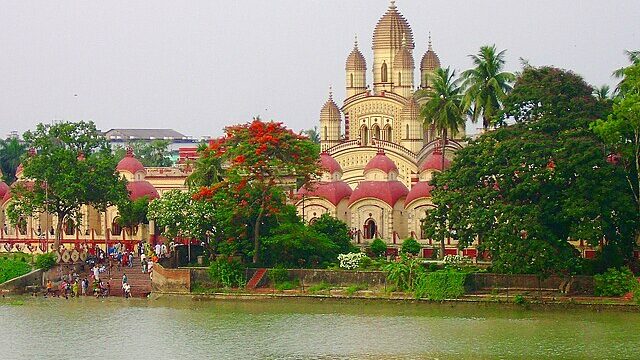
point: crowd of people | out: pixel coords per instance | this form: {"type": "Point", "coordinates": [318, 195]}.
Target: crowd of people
{"type": "Point", "coordinates": [102, 265]}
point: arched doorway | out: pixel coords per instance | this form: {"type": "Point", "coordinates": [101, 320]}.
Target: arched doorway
{"type": "Point", "coordinates": [116, 229]}
{"type": "Point", "coordinates": [370, 229]}
{"type": "Point", "coordinates": [375, 132]}
{"type": "Point", "coordinates": [364, 135]}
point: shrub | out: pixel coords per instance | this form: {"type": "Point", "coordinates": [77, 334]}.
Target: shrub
{"type": "Point", "coordinates": [278, 274]}
{"type": "Point", "coordinates": [287, 285]}
{"type": "Point", "coordinates": [227, 273]}
{"type": "Point", "coordinates": [45, 261]}
{"type": "Point", "coordinates": [404, 273]}
{"type": "Point", "coordinates": [410, 246]}
{"type": "Point", "coordinates": [615, 282]}
{"type": "Point", "coordinates": [365, 262]}
{"type": "Point", "coordinates": [440, 285]}
{"type": "Point", "coordinates": [352, 289]}
{"type": "Point", "coordinates": [319, 287]}
{"type": "Point", "coordinates": [350, 261]}
{"type": "Point", "coordinates": [519, 299]}
{"type": "Point", "coordinates": [378, 247]}
{"type": "Point", "coordinates": [10, 269]}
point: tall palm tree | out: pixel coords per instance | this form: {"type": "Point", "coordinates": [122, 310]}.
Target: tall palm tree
{"type": "Point", "coordinates": [634, 58]}
{"type": "Point", "coordinates": [11, 152]}
{"type": "Point", "coordinates": [486, 85]}
{"type": "Point", "coordinates": [444, 111]}
{"type": "Point", "coordinates": [602, 93]}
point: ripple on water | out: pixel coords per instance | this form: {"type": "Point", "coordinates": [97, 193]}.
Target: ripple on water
{"type": "Point", "coordinates": [294, 329]}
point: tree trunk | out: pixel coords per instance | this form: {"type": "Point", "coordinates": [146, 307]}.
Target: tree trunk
{"type": "Point", "coordinates": [256, 236]}
{"type": "Point", "coordinates": [444, 142]}
{"type": "Point", "coordinates": [58, 238]}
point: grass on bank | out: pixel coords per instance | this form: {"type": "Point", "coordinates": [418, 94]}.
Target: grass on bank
{"type": "Point", "coordinates": [11, 268]}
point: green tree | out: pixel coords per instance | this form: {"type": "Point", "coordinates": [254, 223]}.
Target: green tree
{"type": "Point", "coordinates": [378, 247]}
{"type": "Point", "coordinates": [336, 231]}
{"type": "Point", "coordinates": [133, 213]}
{"type": "Point", "coordinates": [295, 244]}
{"type": "Point", "coordinates": [486, 85]}
{"type": "Point", "coordinates": [551, 91]}
{"type": "Point", "coordinates": [634, 58]}
{"type": "Point", "coordinates": [444, 110]}
{"type": "Point", "coordinates": [411, 246]}
{"type": "Point", "coordinates": [72, 165]}
{"type": "Point", "coordinates": [262, 158]}
{"type": "Point", "coordinates": [207, 169]}
{"type": "Point", "coordinates": [11, 152]}
{"type": "Point", "coordinates": [603, 93]}
{"type": "Point", "coordinates": [621, 130]}
{"type": "Point", "coordinates": [153, 153]}
{"type": "Point", "coordinates": [312, 134]}
{"type": "Point", "coordinates": [178, 214]}
{"type": "Point", "coordinates": [523, 190]}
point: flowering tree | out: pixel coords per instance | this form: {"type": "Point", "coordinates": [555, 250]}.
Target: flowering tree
{"type": "Point", "coordinates": [261, 159]}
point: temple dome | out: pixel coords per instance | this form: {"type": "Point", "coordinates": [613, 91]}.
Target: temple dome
{"type": "Point", "coordinates": [420, 190]}
{"type": "Point", "coordinates": [434, 162]}
{"type": "Point", "coordinates": [430, 60]}
{"type": "Point", "coordinates": [329, 164]}
{"type": "Point", "coordinates": [4, 190]}
{"type": "Point", "coordinates": [404, 58]}
{"type": "Point", "coordinates": [381, 162]}
{"type": "Point", "coordinates": [140, 188]}
{"type": "Point", "coordinates": [330, 110]}
{"type": "Point", "coordinates": [129, 163]}
{"type": "Point", "coordinates": [333, 191]}
{"type": "Point", "coordinates": [355, 60]}
{"type": "Point", "coordinates": [387, 191]}
{"type": "Point", "coordinates": [411, 111]}
{"type": "Point", "coordinates": [390, 29]}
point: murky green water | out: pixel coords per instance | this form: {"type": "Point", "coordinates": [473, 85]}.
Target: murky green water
{"type": "Point", "coordinates": [177, 328]}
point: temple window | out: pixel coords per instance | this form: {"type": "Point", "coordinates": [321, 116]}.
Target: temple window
{"type": "Point", "coordinates": [326, 133]}
{"type": "Point", "coordinates": [116, 229]}
{"type": "Point", "coordinates": [370, 229]}
{"type": "Point", "coordinates": [399, 79]}
{"type": "Point", "coordinates": [364, 135]}
{"type": "Point", "coordinates": [69, 227]}
{"type": "Point", "coordinates": [383, 70]}
{"type": "Point", "coordinates": [407, 136]}
{"type": "Point", "coordinates": [351, 76]}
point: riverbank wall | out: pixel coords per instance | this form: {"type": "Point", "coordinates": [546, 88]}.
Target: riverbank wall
{"type": "Point", "coordinates": [22, 283]}
{"type": "Point", "coordinates": [183, 280]}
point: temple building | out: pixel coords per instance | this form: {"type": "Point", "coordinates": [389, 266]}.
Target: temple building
{"type": "Point", "coordinates": [36, 233]}
{"type": "Point", "coordinates": [377, 153]}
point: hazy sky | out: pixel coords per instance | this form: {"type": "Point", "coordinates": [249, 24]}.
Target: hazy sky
{"type": "Point", "coordinates": [197, 66]}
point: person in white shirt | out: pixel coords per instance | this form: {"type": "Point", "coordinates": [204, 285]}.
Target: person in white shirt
{"type": "Point", "coordinates": [158, 249]}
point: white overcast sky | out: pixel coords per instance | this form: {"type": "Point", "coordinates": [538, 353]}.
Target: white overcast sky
{"type": "Point", "coordinates": [197, 66]}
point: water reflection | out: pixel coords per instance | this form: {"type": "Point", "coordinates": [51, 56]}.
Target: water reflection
{"type": "Point", "coordinates": [177, 328]}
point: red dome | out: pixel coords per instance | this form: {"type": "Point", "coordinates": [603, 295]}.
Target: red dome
{"type": "Point", "coordinates": [434, 162]}
{"type": "Point", "coordinates": [387, 191]}
{"type": "Point", "coordinates": [4, 189]}
{"type": "Point", "coordinates": [328, 163]}
{"type": "Point", "coordinates": [381, 162]}
{"type": "Point", "coordinates": [333, 191]}
{"type": "Point", "coordinates": [130, 163]}
{"type": "Point", "coordinates": [420, 190]}
{"type": "Point", "coordinates": [138, 189]}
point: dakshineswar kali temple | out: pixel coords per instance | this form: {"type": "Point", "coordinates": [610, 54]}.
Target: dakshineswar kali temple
{"type": "Point", "coordinates": [377, 153]}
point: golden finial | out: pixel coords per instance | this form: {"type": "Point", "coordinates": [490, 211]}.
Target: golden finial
{"type": "Point", "coordinates": [392, 4]}
{"type": "Point", "coordinates": [430, 48]}
{"type": "Point", "coordinates": [330, 93]}
{"type": "Point", "coordinates": [355, 42]}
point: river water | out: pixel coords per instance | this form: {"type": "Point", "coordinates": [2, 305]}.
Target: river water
{"type": "Point", "coordinates": [181, 328]}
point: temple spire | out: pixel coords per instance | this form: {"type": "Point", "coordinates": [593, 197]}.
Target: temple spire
{"type": "Point", "coordinates": [430, 47]}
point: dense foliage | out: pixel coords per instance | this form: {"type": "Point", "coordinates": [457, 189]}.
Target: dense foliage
{"type": "Point", "coordinates": [261, 159]}
{"type": "Point", "coordinates": [523, 190]}
{"type": "Point", "coordinates": [336, 230]}
{"type": "Point", "coordinates": [153, 153]}
{"type": "Point", "coordinates": [378, 247]}
{"type": "Point", "coordinates": [45, 261]}
{"type": "Point", "coordinates": [132, 213]}
{"type": "Point", "coordinates": [70, 165]}
{"type": "Point", "coordinates": [410, 246]}
{"type": "Point", "coordinates": [615, 282]}
{"type": "Point", "coordinates": [227, 273]}
{"type": "Point", "coordinates": [11, 268]}
{"type": "Point", "coordinates": [11, 152]}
